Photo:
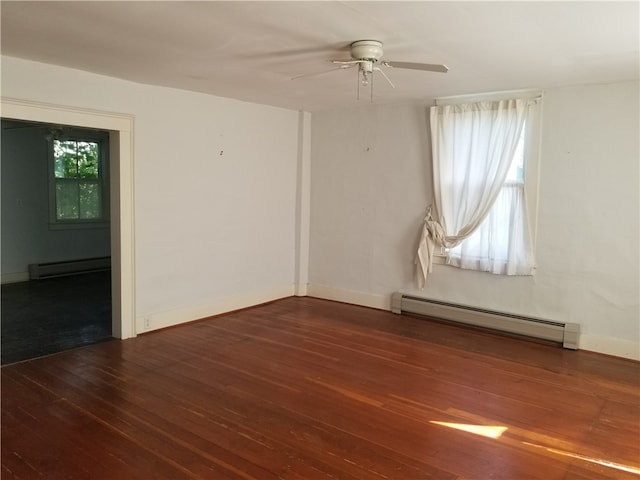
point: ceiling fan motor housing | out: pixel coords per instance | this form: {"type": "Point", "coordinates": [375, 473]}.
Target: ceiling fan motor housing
{"type": "Point", "coordinates": [366, 50]}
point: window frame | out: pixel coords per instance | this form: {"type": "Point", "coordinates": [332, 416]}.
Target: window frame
{"type": "Point", "coordinates": [80, 135]}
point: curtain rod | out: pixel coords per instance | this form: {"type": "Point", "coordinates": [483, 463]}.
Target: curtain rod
{"type": "Point", "coordinates": [535, 95]}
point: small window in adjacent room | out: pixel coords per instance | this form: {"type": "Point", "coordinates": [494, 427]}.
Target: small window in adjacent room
{"type": "Point", "coordinates": [79, 180]}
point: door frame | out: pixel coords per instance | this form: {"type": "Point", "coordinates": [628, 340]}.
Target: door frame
{"type": "Point", "coordinates": [120, 127]}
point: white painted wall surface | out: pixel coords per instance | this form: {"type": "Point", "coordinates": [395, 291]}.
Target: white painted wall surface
{"type": "Point", "coordinates": [26, 235]}
{"type": "Point", "coordinates": [215, 190]}
{"type": "Point", "coordinates": [371, 183]}
{"type": "Point", "coordinates": [369, 187]}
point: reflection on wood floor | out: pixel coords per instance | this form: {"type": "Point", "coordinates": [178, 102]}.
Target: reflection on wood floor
{"type": "Point", "coordinates": [311, 389]}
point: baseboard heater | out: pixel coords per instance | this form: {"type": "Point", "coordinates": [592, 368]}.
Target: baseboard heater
{"type": "Point", "coordinates": [39, 271]}
{"type": "Point", "coordinates": [565, 333]}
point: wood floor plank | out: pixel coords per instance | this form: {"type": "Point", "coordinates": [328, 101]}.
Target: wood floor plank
{"type": "Point", "coordinates": [310, 389]}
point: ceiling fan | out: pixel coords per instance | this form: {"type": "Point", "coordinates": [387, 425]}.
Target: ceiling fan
{"type": "Point", "coordinates": [367, 56]}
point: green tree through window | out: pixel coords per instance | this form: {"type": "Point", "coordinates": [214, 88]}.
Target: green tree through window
{"type": "Point", "coordinates": [78, 182]}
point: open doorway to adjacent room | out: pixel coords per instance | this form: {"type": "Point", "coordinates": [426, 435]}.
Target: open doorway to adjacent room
{"type": "Point", "coordinates": [101, 289]}
{"type": "Point", "coordinates": [56, 238]}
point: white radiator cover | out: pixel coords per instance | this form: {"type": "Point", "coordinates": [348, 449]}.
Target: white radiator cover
{"type": "Point", "coordinates": [565, 333]}
{"type": "Point", "coordinates": [38, 271]}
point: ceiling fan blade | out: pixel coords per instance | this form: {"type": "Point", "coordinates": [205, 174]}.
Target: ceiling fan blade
{"type": "Point", "coordinates": [328, 49]}
{"type": "Point", "coordinates": [313, 74]}
{"type": "Point", "coordinates": [346, 62]}
{"type": "Point", "coordinates": [427, 67]}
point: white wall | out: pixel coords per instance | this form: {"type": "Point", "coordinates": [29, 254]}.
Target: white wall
{"type": "Point", "coordinates": [370, 185]}
{"type": "Point", "coordinates": [26, 236]}
{"type": "Point", "coordinates": [215, 190]}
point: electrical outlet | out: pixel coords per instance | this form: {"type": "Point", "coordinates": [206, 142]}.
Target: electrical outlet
{"type": "Point", "coordinates": [146, 323]}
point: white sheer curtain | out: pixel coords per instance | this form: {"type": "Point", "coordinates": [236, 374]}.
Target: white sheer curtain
{"type": "Point", "coordinates": [473, 146]}
{"type": "Point", "coordinates": [502, 243]}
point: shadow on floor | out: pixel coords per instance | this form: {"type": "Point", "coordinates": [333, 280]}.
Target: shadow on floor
{"type": "Point", "coordinates": [42, 317]}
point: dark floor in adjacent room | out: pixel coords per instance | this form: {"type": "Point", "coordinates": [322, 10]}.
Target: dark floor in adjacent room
{"type": "Point", "coordinates": [42, 317]}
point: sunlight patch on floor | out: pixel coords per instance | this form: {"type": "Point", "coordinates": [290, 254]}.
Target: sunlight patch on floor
{"type": "Point", "coordinates": [489, 431]}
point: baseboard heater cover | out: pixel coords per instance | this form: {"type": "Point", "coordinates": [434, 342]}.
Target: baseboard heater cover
{"type": "Point", "coordinates": [38, 271]}
{"type": "Point", "coordinates": [565, 333]}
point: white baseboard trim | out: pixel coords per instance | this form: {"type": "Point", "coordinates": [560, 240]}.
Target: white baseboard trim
{"type": "Point", "coordinates": [606, 345]}
{"type": "Point", "coordinates": [593, 343]}
{"type": "Point", "coordinates": [302, 290]}
{"type": "Point", "coordinates": [610, 346]}
{"type": "Point", "coordinates": [155, 321]}
{"type": "Point", "coordinates": [381, 302]}
{"type": "Point", "coordinates": [14, 277]}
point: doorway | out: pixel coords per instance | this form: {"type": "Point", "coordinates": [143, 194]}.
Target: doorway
{"type": "Point", "coordinates": [120, 128]}
{"type": "Point", "coordinates": [55, 213]}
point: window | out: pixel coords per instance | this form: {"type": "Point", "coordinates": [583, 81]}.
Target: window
{"type": "Point", "coordinates": [484, 174]}
{"type": "Point", "coordinates": [79, 180]}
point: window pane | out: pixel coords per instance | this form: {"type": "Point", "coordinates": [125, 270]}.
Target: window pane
{"type": "Point", "coordinates": [502, 243]}
{"type": "Point", "coordinates": [90, 201]}
{"type": "Point", "coordinates": [65, 158]}
{"type": "Point", "coordinates": [88, 160]}
{"type": "Point", "coordinates": [516, 171]}
{"type": "Point", "coordinates": [74, 159]}
{"type": "Point", "coordinates": [67, 201]}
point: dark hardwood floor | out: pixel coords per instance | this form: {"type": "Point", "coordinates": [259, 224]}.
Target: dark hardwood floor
{"type": "Point", "coordinates": [310, 389]}
{"type": "Point", "coordinates": [47, 316]}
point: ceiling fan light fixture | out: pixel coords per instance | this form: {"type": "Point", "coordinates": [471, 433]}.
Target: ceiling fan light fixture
{"type": "Point", "coordinates": [365, 70]}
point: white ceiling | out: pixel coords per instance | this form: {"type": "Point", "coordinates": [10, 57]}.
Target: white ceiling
{"type": "Point", "coordinates": [250, 50]}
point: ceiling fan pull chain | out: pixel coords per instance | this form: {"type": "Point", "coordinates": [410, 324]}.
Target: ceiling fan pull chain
{"type": "Point", "coordinates": [371, 86]}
